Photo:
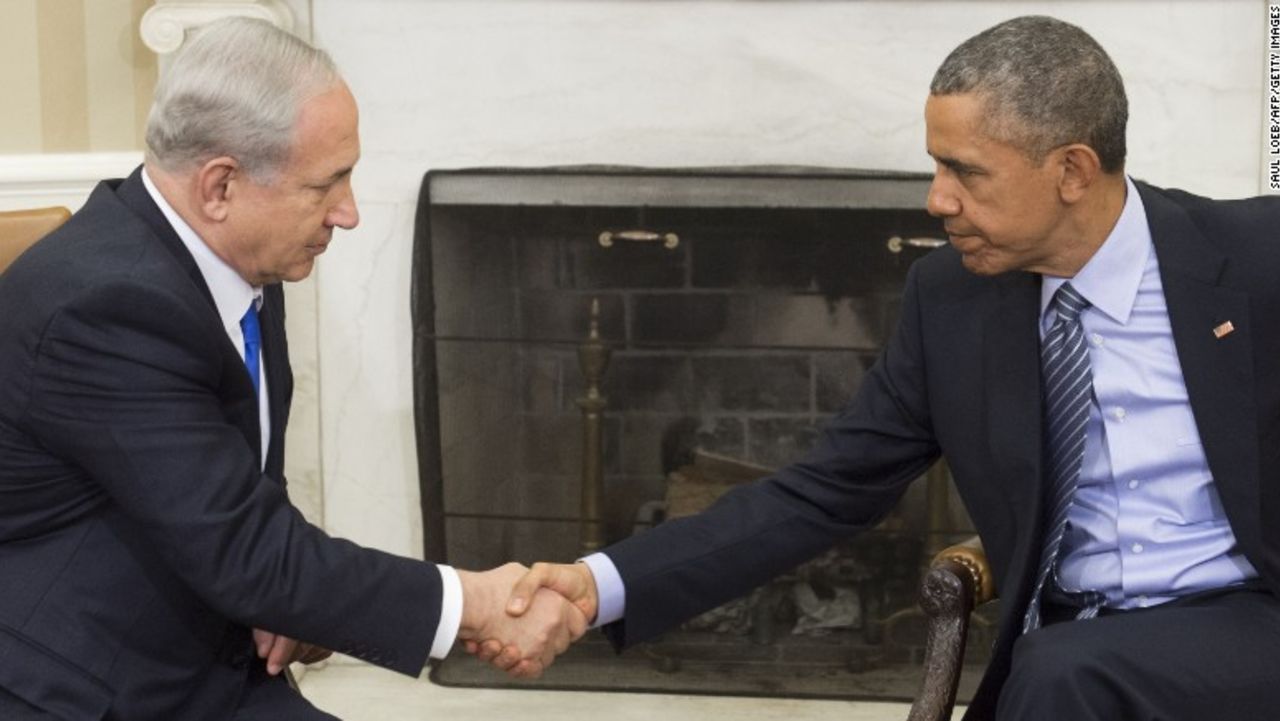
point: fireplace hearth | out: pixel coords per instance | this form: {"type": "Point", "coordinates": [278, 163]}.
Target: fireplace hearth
{"type": "Point", "coordinates": [739, 308]}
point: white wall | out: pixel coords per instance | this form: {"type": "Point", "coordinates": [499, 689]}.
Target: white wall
{"type": "Point", "coordinates": [455, 83]}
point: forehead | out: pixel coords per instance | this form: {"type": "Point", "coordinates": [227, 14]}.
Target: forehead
{"type": "Point", "coordinates": [954, 121]}
{"type": "Point", "coordinates": [957, 129]}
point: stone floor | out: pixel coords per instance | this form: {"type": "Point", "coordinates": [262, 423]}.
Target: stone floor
{"type": "Point", "coordinates": [364, 693]}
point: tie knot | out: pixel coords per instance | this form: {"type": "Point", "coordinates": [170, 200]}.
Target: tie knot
{"type": "Point", "coordinates": [1068, 303]}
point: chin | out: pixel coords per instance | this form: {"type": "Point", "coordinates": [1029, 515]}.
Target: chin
{"type": "Point", "coordinates": [979, 264]}
{"type": "Point", "coordinates": [298, 272]}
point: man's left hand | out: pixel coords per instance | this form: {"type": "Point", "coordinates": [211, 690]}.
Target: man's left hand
{"type": "Point", "coordinates": [280, 651]}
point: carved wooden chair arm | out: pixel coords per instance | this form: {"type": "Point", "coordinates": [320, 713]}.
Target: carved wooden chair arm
{"type": "Point", "coordinates": [958, 580]}
{"type": "Point", "coordinates": [970, 555]}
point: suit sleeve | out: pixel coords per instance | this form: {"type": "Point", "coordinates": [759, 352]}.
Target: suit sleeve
{"type": "Point", "coordinates": [128, 386]}
{"type": "Point", "coordinates": [863, 462]}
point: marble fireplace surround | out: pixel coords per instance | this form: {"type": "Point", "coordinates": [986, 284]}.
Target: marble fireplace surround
{"type": "Point", "coordinates": [473, 83]}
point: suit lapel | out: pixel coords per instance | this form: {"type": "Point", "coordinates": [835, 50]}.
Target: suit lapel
{"type": "Point", "coordinates": [1011, 379]}
{"type": "Point", "coordinates": [1011, 375]}
{"type": "Point", "coordinates": [275, 358]}
{"type": "Point", "coordinates": [241, 402]}
{"type": "Point", "coordinates": [1217, 371]}
{"type": "Point", "coordinates": [134, 195]}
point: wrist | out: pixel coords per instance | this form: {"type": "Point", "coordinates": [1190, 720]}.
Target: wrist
{"type": "Point", "coordinates": [473, 603]}
{"type": "Point", "coordinates": [590, 602]}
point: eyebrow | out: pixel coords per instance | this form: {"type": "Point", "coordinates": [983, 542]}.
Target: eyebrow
{"type": "Point", "coordinates": [957, 165]}
{"type": "Point", "coordinates": [340, 174]}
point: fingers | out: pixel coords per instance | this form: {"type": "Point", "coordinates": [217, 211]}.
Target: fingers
{"type": "Point", "coordinates": [507, 659]}
{"type": "Point", "coordinates": [281, 655]}
{"type": "Point", "coordinates": [489, 650]}
{"type": "Point", "coordinates": [526, 670]}
{"type": "Point", "coordinates": [571, 580]}
{"type": "Point", "coordinates": [577, 622]}
{"type": "Point", "coordinates": [551, 625]}
{"type": "Point", "coordinates": [280, 651]}
{"type": "Point", "coordinates": [262, 642]}
{"type": "Point", "coordinates": [524, 589]}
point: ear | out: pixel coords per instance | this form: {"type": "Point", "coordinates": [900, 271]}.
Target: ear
{"type": "Point", "coordinates": [1080, 168]}
{"type": "Point", "coordinates": [215, 187]}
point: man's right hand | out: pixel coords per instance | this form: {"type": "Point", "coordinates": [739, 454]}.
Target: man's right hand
{"type": "Point", "coordinates": [524, 645]}
{"type": "Point", "coordinates": [572, 581]}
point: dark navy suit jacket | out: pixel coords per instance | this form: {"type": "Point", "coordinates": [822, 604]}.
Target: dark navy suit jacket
{"type": "Point", "coordinates": [961, 378]}
{"type": "Point", "coordinates": [139, 540]}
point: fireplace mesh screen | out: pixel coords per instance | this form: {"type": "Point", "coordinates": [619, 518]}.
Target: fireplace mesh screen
{"type": "Point", "coordinates": [738, 318]}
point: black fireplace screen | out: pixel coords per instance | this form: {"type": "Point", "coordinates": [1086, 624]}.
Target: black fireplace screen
{"type": "Point", "coordinates": [736, 310]}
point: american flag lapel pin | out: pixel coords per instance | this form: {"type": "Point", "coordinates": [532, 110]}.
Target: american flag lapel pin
{"type": "Point", "coordinates": [1223, 329]}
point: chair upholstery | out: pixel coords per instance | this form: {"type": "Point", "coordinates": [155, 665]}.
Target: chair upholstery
{"type": "Point", "coordinates": [19, 229]}
{"type": "Point", "coordinates": [959, 580]}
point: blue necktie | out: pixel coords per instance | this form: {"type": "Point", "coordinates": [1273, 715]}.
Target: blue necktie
{"type": "Point", "coordinates": [252, 343]}
{"type": "Point", "coordinates": [1068, 385]}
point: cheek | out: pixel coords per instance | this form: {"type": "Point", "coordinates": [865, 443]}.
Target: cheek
{"type": "Point", "coordinates": [1009, 224]}
{"type": "Point", "coordinates": [299, 224]}
{"type": "Point", "coordinates": [313, 219]}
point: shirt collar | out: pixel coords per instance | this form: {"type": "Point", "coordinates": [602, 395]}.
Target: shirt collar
{"type": "Point", "coordinates": [1109, 281]}
{"type": "Point", "coordinates": [231, 293]}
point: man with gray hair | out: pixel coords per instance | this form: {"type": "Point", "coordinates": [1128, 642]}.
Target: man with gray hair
{"type": "Point", "coordinates": [1097, 360]}
{"type": "Point", "coordinates": [153, 566]}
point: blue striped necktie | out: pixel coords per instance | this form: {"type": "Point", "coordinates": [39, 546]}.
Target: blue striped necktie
{"type": "Point", "coordinates": [252, 344]}
{"type": "Point", "coordinates": [1068, 385]}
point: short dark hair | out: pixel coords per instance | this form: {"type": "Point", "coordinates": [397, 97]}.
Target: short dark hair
{"type": "Point", "coordinates": [1045, 83]}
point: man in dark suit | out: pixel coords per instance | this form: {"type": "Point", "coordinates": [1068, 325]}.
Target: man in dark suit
{"type": "Point", "coordinates": [1097, 360]}
{"type": "Point", "coordinates": [152, 565]}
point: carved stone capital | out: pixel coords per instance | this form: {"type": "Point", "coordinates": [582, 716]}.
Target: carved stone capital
{"type": "Point", "coordinates": [164, 27]}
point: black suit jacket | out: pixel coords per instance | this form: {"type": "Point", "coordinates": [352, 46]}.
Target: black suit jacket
{"type": "Point", "coordinates": [961, 377]}
{"type": "Point", "coordinates": [139, 541]}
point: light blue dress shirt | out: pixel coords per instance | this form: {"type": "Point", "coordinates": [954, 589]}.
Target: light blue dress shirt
{"type": "Point", "coordinates": [1147, 525]}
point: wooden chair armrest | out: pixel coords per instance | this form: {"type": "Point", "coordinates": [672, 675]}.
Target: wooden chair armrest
{"type": "Point", "coordinates": [970, 556]}
{"type": "Point", "coordinates": [958, 579]}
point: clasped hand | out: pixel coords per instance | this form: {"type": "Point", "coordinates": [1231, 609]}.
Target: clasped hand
{"type": "Point", "coordinates": [279, 651]}
{"type": "Point", "coordinates": [519, 620]}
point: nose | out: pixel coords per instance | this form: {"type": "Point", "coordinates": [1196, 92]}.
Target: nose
{"type": "Point", "coordinates": [942, 201]}
{"type": "Point", "coordinates": [344, 214]}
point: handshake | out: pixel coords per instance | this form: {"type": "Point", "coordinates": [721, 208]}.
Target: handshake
{"type": "Point", "coordinates": [519, 619]}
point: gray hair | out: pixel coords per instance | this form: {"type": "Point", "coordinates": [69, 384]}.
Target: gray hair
{"type": "Point", "coordinates": [235, 88]}
{"type": "Point", "coordinates": [1045, 83]}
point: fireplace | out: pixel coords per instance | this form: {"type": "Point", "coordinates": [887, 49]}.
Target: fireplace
{"type": "Point", "coordinates": [727, 313]}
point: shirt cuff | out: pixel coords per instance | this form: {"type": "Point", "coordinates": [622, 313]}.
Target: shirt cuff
{"type": "Point", "coordinates": [611, 594]}
{"type": "Point", "coordinates": [450, 612]}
